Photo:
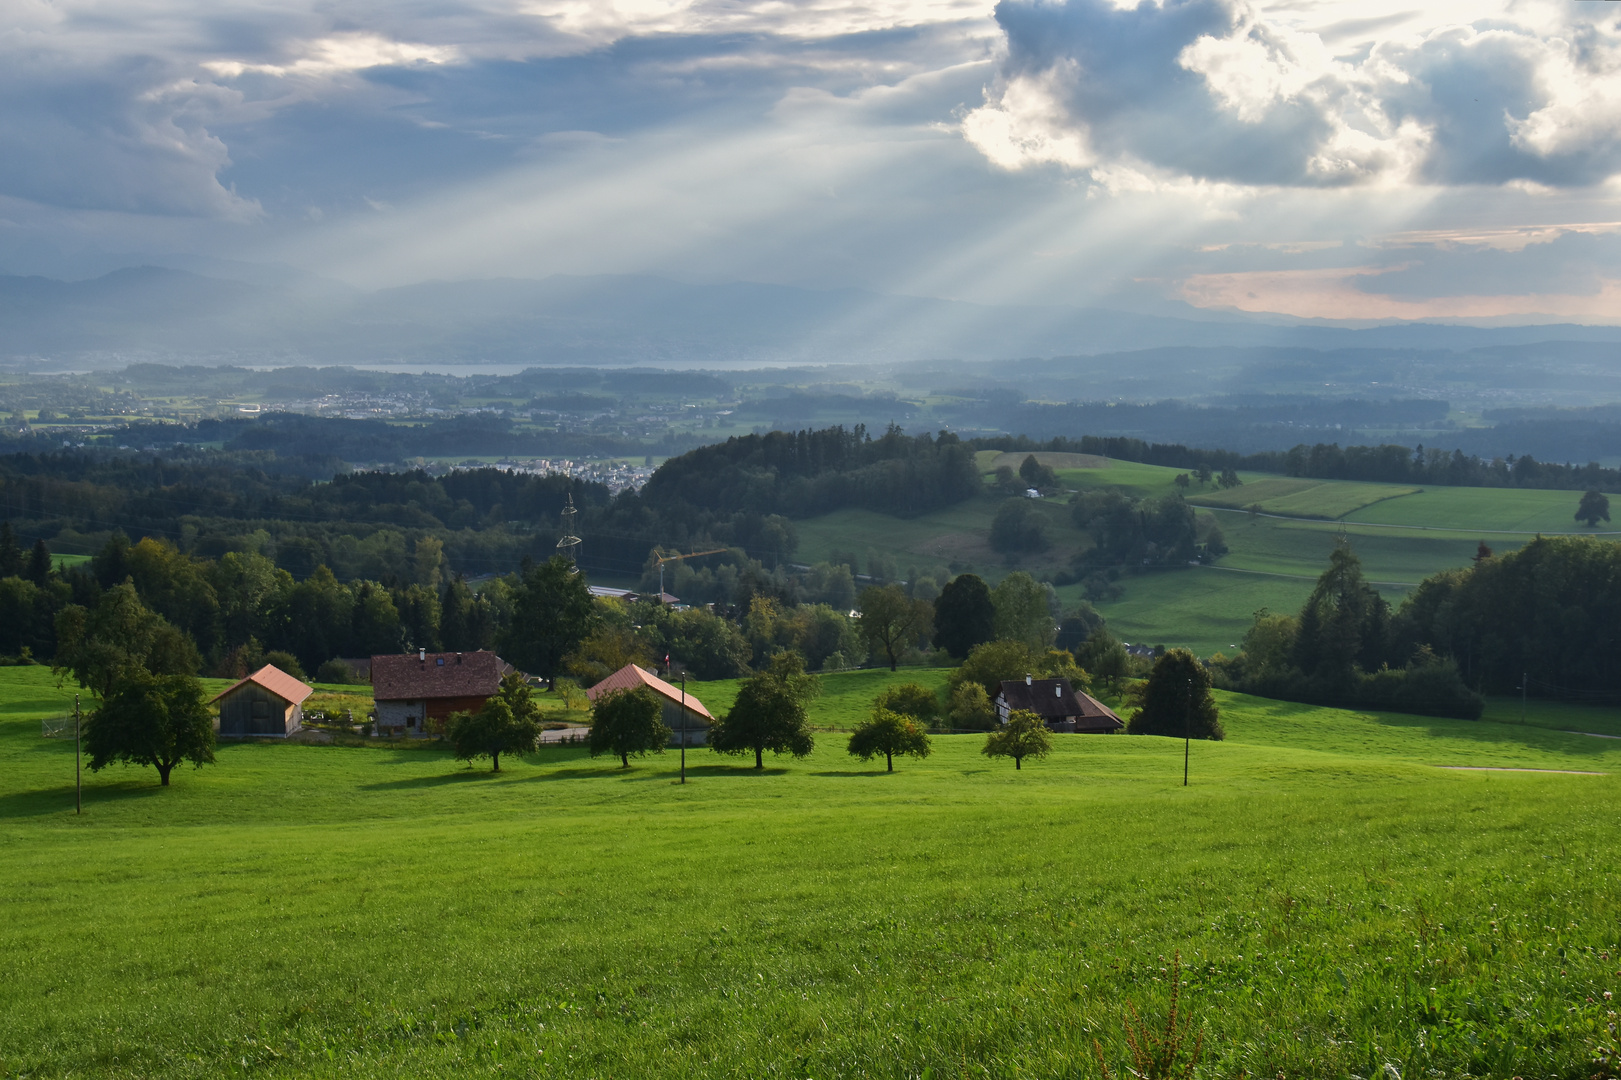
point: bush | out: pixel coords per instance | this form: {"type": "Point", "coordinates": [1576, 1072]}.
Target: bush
{"type": "Point", "coordinates": [286, 661]}
{"type": "Point", "coordinates": [909, 699]}
{"type": "Point", "coordinates": [971, 708]}
{"type": "Point", "coordinates": [334, 671]}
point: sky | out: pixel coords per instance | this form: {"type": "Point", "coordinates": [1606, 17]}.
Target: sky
{"type": "Point", "coordinates": [1376, 160]}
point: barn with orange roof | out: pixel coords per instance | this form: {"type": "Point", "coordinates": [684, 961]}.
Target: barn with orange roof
{"type": "Point", "coordinates": [269, 702]}
{"type": "Point", "coordinates": [683, 713]}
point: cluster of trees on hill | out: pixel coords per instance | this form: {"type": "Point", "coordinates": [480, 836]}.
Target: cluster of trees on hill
{"type": "Point", "coordinates": [805, 473]}
{"type": "Point", "coordinates": [739, 494]}
{"type": "Point", "coordinates": [1345, 648]}
{"type": "Point", "coordinates": [1546, 617]}
{"type": "Point", "coordinates": [1550, 610]}
{"type": "Point", "coordinates": [230, 613]}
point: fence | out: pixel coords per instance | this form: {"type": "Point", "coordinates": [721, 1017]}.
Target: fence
{"type": "Point", "coordinates": [56, 727]}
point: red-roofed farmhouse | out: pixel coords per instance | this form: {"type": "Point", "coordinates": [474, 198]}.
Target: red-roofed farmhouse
{"type": "Point", "coordinates": [413, 688]}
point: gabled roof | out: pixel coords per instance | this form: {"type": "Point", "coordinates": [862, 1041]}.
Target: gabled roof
{"type": "Point", "coordinates": [275, 680]}
{"type": "Point", "coordinates": [412, 677]}
{"type": "Point", "coordinates": [630, 677]}
{"type": "Point", "coordinates": [1055, 699]}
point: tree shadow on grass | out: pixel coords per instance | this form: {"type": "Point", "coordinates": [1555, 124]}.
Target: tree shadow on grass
{"type": "Point", "coordinates": [436, 780]}
{"type": "Point", "coordinates": [853, 772]}
{"type": "Point", "coordinates": [45, 802]}
{"type": "Point", "coordinates": [663, 772]}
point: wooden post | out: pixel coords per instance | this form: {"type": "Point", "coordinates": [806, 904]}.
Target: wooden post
{"type": "Point", "coordinates": [78, 770]}
{"type": "Point", "coordinates": [683, 705]}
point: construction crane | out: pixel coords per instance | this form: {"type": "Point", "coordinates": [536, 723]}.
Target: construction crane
{"type": "Point", "coordinates": [662, 559]}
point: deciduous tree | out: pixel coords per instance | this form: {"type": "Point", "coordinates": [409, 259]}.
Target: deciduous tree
{"type": "Point", "coordinates": [156, 720]}
{"type": "Point", "coordinates": [119, 635]}
{"type": "Point", "coordinates": [1023, 611]}
{"type": "Point", "coordinates": [1025, 735]}
{"type": "Point", "coordinates": [551, 615]}
{"type": "Point", "coordinates": [1595, 505]}
{"type": "Point", "coordinates": [770, 713]}
{"type": "Point", "coordinates": [889, 733]}
{"type": "Point", "coordinates": [891, 621]}
{"type": "Point", "coordinates": [628, 722]}
{"type": "Point", "coordinates": [964, 615]}
{"type": "Point", "coordinates": [508, 723]}
{"type": "Point", "coordinates": [1176, 699]}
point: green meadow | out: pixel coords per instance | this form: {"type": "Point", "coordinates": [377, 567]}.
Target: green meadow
{"type": "Point", "coordinates": [1402, 534]}
{"type": "Point", "coordinates": [1348, 895]}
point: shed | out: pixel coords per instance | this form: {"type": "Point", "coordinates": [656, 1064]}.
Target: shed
{"type": "Point", "coordinates": [412, 689]}
{"type": "Point", "coordinates": [268, 702]}
{"type": "Point", "coordinates": [1063, 707]}
{"type": "Point", "coordinates": [697, 719]}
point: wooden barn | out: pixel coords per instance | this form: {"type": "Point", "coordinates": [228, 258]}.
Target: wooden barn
{"type": "Point", "coordinates": [697, 721]}
{"type": "Point", "coordinates": [414, 689]}
{"type": "Point", "coordinates": [1063, 707]}
{"type": "Point", "coordinates": [268, 702]}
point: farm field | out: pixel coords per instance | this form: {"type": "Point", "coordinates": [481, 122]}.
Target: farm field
{"type": "Point", "coordinates": [1341, 904]}
{"type": "Point", "coordinates": [1293, 496]}
{"type": "Point", "coordinates": [1402, 535]}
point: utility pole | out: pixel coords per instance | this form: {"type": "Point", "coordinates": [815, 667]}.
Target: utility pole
{"type": "Point", "coordinates": [1187, 732]}
{"type": "Point", "coordinates": [78, 770]}
{"type": "Point", "coordinates": [683, 716]}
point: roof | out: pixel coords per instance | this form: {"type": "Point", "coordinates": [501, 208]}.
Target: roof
{"type": "Point", "coordinates": [630, 677]}
{"type": "Point", "coordinates": [413, 677]}
{"type": "Point", "coordinates": [275, 680]}
{"type": "Point", "coordinates": [1056, 699]}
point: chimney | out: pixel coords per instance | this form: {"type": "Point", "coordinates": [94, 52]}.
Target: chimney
{"type": "Point", "coordinates": [422, 655]}
{"type": "Point", "coordinates": [1058, 690]}
{"type": "Point", "coordinates": [458, 658]}
{"type": "Point", "coordinates": [1027, 680]}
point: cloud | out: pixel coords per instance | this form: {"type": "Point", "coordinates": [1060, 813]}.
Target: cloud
{"type": "Point", "coordinates": [1224, 91]}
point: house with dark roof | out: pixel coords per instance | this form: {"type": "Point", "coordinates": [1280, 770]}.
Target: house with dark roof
{"type": "Point", "coordinates": [268, 702]}
{"type": "Point", "coordinates": [683, 713]}
{"type": "Point", "coordinates": [1063, 707]}
{"type": "Point", "coordinates": [413, 690]}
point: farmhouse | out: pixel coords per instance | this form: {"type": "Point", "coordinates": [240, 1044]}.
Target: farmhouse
{"type": "Point", "coordinates": [268, 702]}
{"type": "Point", "coordinates": [697, 721]}
{"type": "Point", "coordinates": [413, 690]}
{"type": "Point", "coordinates": [1062, 706]}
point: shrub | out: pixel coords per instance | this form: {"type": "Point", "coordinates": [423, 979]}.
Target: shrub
{"type": "Point", "coordinates": [333, 671]}
{"type": "Point", "coordinates": [909, 699]}
{"type": "Point", "coordinates": [971, 708]}
{"type": "Point", "coordinates": [286, 661]}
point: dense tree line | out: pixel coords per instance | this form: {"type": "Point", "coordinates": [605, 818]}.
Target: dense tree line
{"type": "Point", "coordinates": [1345, 648]}
{"type": "Point", "coordinates": [804, 473]}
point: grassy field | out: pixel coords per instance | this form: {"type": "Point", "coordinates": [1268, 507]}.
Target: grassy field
{"type": "Point", "coordinates": [1344, 900]}
{"type": "Point", "coordinates": [1290, 496]}
{"type": "Point", "coordinates": [1402, 534]}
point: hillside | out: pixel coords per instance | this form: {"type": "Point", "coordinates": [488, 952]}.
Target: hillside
{"type": "Point", "coordinates": [319, 911]}
{"type": "Point", "coordinates": [1402, 534]}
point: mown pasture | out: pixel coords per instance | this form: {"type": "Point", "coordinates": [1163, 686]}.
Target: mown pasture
{"type": "Point", "coordinates": [1402, 534]}
{"type": "Point", "coordinates": [1341, 904]}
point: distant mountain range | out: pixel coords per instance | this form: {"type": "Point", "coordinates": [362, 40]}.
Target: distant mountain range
{"type": "Point", "coordinates": [178, 316]}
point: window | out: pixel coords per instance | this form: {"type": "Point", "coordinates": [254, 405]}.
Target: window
{"type": "Point", "coordinates": [440, 661]}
